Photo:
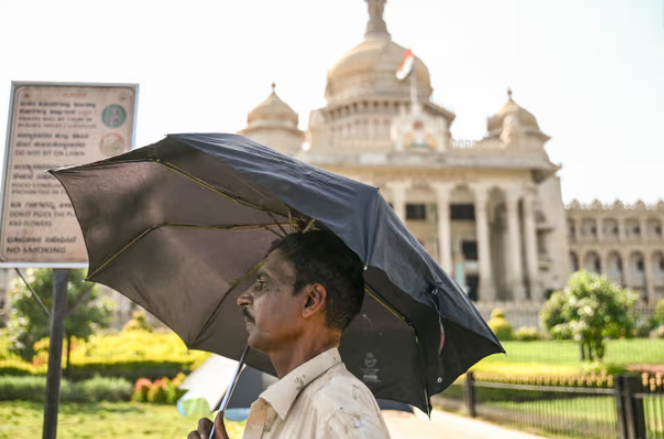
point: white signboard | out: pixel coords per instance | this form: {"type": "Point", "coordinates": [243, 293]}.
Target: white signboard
{"type": "Point", "coordinates": [51, 126]}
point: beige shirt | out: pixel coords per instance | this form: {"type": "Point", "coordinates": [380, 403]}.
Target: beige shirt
{"type": "Point", "coordinates": [318, 400]}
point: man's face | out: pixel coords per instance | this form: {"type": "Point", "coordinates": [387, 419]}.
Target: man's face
{"type": "Point", "coordinates": [272, 313]}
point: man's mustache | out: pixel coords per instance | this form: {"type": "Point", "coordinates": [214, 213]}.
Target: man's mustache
{"type": "Point", "coordinates": [248, 316]}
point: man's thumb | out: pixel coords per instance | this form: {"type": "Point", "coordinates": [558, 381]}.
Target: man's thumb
{"type": "Point", "coordinates": [219, 427]}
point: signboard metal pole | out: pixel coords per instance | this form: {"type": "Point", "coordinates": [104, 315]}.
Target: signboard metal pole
{"type": "Point", "coordinates": [60, 280]}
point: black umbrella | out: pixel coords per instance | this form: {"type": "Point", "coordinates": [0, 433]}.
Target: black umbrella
{"type": "Point", "coordinates": [180, 226]}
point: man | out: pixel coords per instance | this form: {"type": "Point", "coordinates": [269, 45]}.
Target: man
{"type": "Point", "coordinates": [305, 295]}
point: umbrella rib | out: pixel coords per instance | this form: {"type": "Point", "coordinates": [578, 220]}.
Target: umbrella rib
{"type": "Point", "coordinates": [234, 285]}
{"type": "Point", "coordinates": [277, 223]}
{"type": "Point", "coordinates": [243, 227]}
{"type": "Point", "coordinates": [386, 304]}
{"type": "Point", "coordinates": [185, 226]}
{"type": "Point", "coordinates": [132, 242]}
{"type": "Point", "coordinates": [210, 187]}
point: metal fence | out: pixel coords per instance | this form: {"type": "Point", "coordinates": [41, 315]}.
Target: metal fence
{"type": "Point", "coordinates": [629, 410]}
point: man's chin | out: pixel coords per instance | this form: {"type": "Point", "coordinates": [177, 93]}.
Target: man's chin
{"type": "Point", "coordinates": [255, 342]}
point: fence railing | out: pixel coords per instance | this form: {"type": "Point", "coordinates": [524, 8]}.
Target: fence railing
{"type": "Point", "coordinates": [628, 410]}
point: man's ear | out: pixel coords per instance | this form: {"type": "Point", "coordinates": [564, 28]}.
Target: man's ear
{"type": "Point", "coordinates": [315, 300]}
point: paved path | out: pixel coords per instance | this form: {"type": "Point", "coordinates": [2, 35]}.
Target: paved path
{"type": "Point", "coordinates": [446, 426]}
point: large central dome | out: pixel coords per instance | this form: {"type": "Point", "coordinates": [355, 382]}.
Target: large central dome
{"type": "Point", "coordinates": [369, 69]}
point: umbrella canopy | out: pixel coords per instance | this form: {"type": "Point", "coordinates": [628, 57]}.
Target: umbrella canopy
{"type": "Point", "coordinates": [181, 225]}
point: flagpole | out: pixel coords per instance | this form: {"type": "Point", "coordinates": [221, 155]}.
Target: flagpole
{"type": "Point", "coordinates": [413, 91]}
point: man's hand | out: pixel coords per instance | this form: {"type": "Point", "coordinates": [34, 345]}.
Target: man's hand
{"type": "Point", "coordinates": [205, 425]}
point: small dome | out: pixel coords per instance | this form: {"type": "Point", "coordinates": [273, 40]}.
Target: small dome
{"type": "Point", "coordinates": [273, 109]}
{"type": "Point", "coordinates": [524, 117]}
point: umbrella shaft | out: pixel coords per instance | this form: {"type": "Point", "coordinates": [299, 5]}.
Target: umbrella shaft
{"type": "Point", "coordinates": [231, 388]}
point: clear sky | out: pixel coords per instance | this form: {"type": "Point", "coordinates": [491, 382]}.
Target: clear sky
{"type": "Point", "coordinates": [591, 71]}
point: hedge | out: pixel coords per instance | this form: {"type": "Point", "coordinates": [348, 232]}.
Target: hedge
{"type": "Point", "coordinates": [92, 390]}
{"type": "Point", "coordinates": [129, 370]}
{"type": "Point", "coordinates": [130, 355]}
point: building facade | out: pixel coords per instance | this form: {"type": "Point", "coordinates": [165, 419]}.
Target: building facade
{"type": "Point", "coordinates": [625, 243]}
{"type": "Point", "coordinates": [489, 210]}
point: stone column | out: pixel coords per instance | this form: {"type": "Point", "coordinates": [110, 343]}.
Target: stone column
{"type": "Point", "coordinates": [622, 236]}
{"type": "Point", "coordinates": [514, 270]}
{"type": "Point", "coordinates": [599, 224]}
{"type": "Point", "coordinates": [627, 269]}
{"type": "Point", "coordinates": [649, 287]}
{"type": "Point", "coordinates": [643, 224]}
{"type": "Point", "coordinates": [532, 256]}
{"type": "Point", "coordinates": [487, 288]}
{"type": "Point", "coordinates": [398, 190]}
{"type": "Point", "coordinates": [443, 191]}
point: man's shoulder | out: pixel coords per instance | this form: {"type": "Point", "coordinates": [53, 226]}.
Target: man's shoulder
{"type": "Point", "coordinates": [341, 389]}
{"type": "Point", "coordinates": [345, 406]}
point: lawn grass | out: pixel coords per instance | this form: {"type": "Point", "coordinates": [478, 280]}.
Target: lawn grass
{"type": "Point", "coordinates": [562, 357]}
{"type": "Point", "coordinates": [591, 416]}
{"type": "Point", "coordinates": [103, 420]}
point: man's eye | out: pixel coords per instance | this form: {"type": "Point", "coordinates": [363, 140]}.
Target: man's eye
{"type": "Point", "coordinates": [260, 284]}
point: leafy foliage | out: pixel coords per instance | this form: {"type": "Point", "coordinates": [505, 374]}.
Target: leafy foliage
{"type": "Point", "coordinates": [589, 310]}
{"type": "Point", "coordinates": [128, 354]}
{"type": "Point", "coordinates": [92, 390]}
{"type": "Point", "coordinates": [86, 311]}
{"type": "Point", "coordinates": [139, 322]}
{"type": "Point", "coordinates": [527, 334]}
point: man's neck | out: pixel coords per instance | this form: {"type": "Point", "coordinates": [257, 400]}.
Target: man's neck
{"type": "Point", "coordinates": [291, 357]}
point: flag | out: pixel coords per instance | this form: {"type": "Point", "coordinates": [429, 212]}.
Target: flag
{"type": "Point", "coordinates": [406, 65]}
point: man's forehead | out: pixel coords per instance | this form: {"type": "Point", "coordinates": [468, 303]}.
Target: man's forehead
{"type": "Point", "coordinates": [277, 266]}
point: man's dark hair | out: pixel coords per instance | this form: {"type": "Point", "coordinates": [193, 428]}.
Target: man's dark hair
{"type": "Point", "coordinates": [321, 257]}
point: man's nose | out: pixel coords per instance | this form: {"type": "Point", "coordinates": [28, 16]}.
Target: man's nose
{"type": "Point", "coordinates": [244, 299]}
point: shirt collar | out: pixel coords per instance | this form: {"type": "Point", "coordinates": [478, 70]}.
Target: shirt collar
{"type": "Point", "coordinates": [282, 394]}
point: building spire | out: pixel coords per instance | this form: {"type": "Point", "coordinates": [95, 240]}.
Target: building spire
{"type": "Point", "coordinates": [376, 27]}
{"type": "Point", "coordinates": [509, 93]}
{"type": "Point", "coordinates": [274, 86]}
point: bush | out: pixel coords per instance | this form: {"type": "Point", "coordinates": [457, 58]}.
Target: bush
{"type": "Point", "coordinates": [22, 388]}
{"type": "Point", "coordinates": [17, 367]}
{"type": "Point", "coordinates": [139, 322]}
{"type": "Point", "coordinates": [99, 389]}
{"type": "Point", "coordinates": [162, 391]}
{"type": "Point", "coordinates": [94, 390]}
{"type": "Point", "coordinates": [527, 334]}
{"type": "Point", "coordinates": [659, 311]}
{"type": "Point", "coordinates": [589, 310]}
{"type": "Point", "coordinates": [141, 388]}
{"type": "Point", "coordinates": [500, 325]}
{"type": "Point", "coordinates": [129, 355]}
{"type": "Point", "coordinates": [658, 333]}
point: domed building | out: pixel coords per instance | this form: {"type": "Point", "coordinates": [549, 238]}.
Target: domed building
{"type": "Point", "coordinates": [273, 122]}
{"type": "Point", "coordinates": [489, 210]}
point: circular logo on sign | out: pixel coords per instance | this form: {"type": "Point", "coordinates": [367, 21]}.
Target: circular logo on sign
{"type": "Point", "coordinates": [113, 116]}
{"type": "Point", "coordinates": [112, 144]}
{"type": "Point", "coordinates": [370, 360]}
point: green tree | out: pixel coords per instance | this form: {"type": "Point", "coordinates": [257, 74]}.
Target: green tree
{"type": "Point", "coordinates": [27, 323]}
{"type": "Point", "coordinates": [589, 310]}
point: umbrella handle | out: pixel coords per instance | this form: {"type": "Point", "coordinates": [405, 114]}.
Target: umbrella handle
{"type": "Point", "coordinates": [231, 388]}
